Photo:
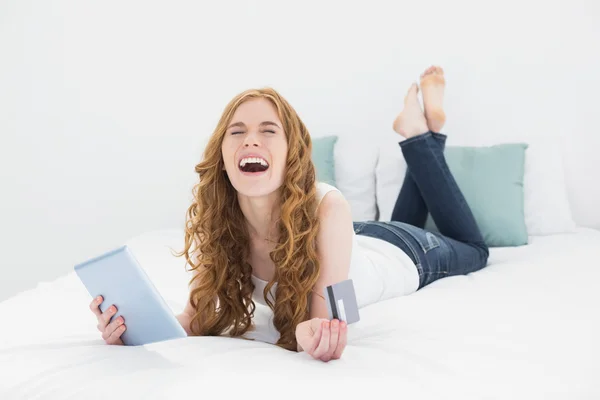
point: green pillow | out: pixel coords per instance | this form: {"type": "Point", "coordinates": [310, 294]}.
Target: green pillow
{"type": "Point", "coordinates": [322, 156]}
{"type": "Point", "coordinates": [491, 180]}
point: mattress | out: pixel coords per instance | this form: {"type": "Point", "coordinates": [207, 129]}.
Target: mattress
{"type": "Point", "coordinates": [525, 327]}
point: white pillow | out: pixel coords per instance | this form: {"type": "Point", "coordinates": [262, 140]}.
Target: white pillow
{"type": "Point", "coordinates": [389, 175]}
{"type": "Point", "coordinates": [547, 208]}
{"type": "Point", "coordinates": [355, 161]}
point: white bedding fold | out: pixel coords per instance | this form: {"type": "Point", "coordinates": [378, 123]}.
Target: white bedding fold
{"type": "Point", "coordinates": [525, 327]}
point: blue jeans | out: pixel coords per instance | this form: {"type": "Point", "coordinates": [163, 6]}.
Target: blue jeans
{"type": "Point", "coordinates": [429, 186]}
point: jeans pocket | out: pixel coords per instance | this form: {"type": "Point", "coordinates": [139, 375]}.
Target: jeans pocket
{"type": "Point", "coordinates": [391, 234]}
{"type": "Point", "coordinates": [427, 240]}
{"type": "Point", "coordinates": [432, 242]}
{"type": "Point", "coordinates": [358, 226]}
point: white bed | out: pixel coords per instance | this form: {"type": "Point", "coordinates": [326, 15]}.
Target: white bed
{"type": "Point", "coordinates": [525, 327]}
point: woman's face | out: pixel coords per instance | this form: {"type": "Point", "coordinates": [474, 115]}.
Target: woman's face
{"type": "Point", "coordinates": [255, 149]}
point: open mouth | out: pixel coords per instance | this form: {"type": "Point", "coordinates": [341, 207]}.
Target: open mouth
{"type": "Point", "coordinates": [253, 165]}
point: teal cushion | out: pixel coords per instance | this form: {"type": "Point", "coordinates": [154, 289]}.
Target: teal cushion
{"type": "Point", "coordinates": [322, 156]}
{"type": "Point", "coordinates": [491, 180]}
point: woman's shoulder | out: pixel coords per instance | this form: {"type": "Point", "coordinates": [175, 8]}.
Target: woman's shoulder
{"type": "Point", "coordinates": [324, 188]}
{"type": "Point", "coordinates": [334, 200]}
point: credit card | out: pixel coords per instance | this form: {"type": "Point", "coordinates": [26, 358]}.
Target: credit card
{"type": "Point", "coordinates": [341, 302]}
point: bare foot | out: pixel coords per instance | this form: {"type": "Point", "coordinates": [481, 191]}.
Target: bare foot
{"type": "Point", "coordinates": [411, 121]}
{"type": "Point", "coordinates": [432, 87]}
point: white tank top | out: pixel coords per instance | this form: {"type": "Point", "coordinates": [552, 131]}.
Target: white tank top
{"type": "Point", "coordinates": [379, 271]}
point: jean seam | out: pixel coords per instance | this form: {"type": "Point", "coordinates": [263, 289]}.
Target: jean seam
{"type": "Point", "coordinates": [420, 270]}
{"type": "Point", "coordinates": [414, 252]}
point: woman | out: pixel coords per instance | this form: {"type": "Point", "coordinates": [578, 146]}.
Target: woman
{"type": "Point", "coordinates": [261, 229]}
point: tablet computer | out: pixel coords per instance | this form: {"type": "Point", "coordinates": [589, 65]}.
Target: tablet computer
{"type": "Point", "coordinates": [120, 280]}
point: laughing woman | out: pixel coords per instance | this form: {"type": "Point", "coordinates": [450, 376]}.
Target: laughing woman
{"type": "Point", "coordinates": [262, 230]}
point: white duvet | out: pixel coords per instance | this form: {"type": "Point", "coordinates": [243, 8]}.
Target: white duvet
{"type": "Point", "coordinates": [525, 327]}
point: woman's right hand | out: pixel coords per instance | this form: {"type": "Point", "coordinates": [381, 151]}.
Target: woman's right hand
{"type": "Point", "coordinates": [111, 332]}
{"type": "Point", "coordinates": [322, 339]}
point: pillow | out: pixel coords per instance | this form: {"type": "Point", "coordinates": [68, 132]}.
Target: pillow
{"type": "Point", "coordinates": [491, 179]}
{"type": "Point", "coordinates": [322, 156]}
{"type": "Point", "coordinates": [546, 205]}
{"type": "Point", "coordinates": [355, 161]}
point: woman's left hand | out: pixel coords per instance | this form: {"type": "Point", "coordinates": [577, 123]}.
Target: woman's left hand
{"type": "Point", "coordinates": [322, 339]}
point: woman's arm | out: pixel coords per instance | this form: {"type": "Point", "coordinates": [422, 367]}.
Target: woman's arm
{"type": "Point", "coordinates": [184, 319]}
{"type": "Point", "coordinates": [334, 247]}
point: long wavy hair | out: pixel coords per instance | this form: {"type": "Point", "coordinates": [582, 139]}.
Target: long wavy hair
{"type": "Point", "coordinates": [217, 238]}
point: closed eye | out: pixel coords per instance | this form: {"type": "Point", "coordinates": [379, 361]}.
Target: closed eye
{"type": "Point", "coordinates": [235, 133]}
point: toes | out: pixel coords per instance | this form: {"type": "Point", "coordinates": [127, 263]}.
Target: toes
{"type": "Point", "coordinates": [412, 91]}
{"type": "Point", "coordinates": [428, 71]}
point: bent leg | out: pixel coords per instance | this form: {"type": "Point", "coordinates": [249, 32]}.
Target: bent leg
{"type": "Point", "coordinates": [427, 165]}
{"type": "Point", "coordinates": [410, 206]}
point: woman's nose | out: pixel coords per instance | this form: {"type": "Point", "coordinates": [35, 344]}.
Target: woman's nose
{"type": "Point", "coordinates": [251, 139]}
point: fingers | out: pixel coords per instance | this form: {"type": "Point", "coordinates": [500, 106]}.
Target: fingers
{"type": "Point", "coordinates": [334, 332]}
{"type": "Point", "coordinates": [104, 317]}
{"type": "Point", "coordinates": [115, 336]}
{"type": "Point", "coordinates": [329, 339]}
{"type": "Point", "coordinates": [333, 339]}
{"type": "Point", "coordinates": [95, 306]}
{"type": "Point", "coordinates": [114, 330]}
{"type": "Point", "coordinates": [343, 339]}
{"type": "Point", "coordinates": [334, 336]}
{"type": "Point", "coordinates": [316, 338]}
{"type": "Point", "coordinates": [111, 332]}
{"type": "Point", "coordinates": [323, 346]}
{"type": "Point", "coordinates": [108, 314]}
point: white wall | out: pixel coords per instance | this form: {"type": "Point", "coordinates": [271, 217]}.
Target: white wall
{"type": "Point", "coordinates": [105, 105]}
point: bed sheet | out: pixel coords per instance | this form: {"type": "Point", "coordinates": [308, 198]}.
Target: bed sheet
{"type": "Point", "coordinates": [525, 327]}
